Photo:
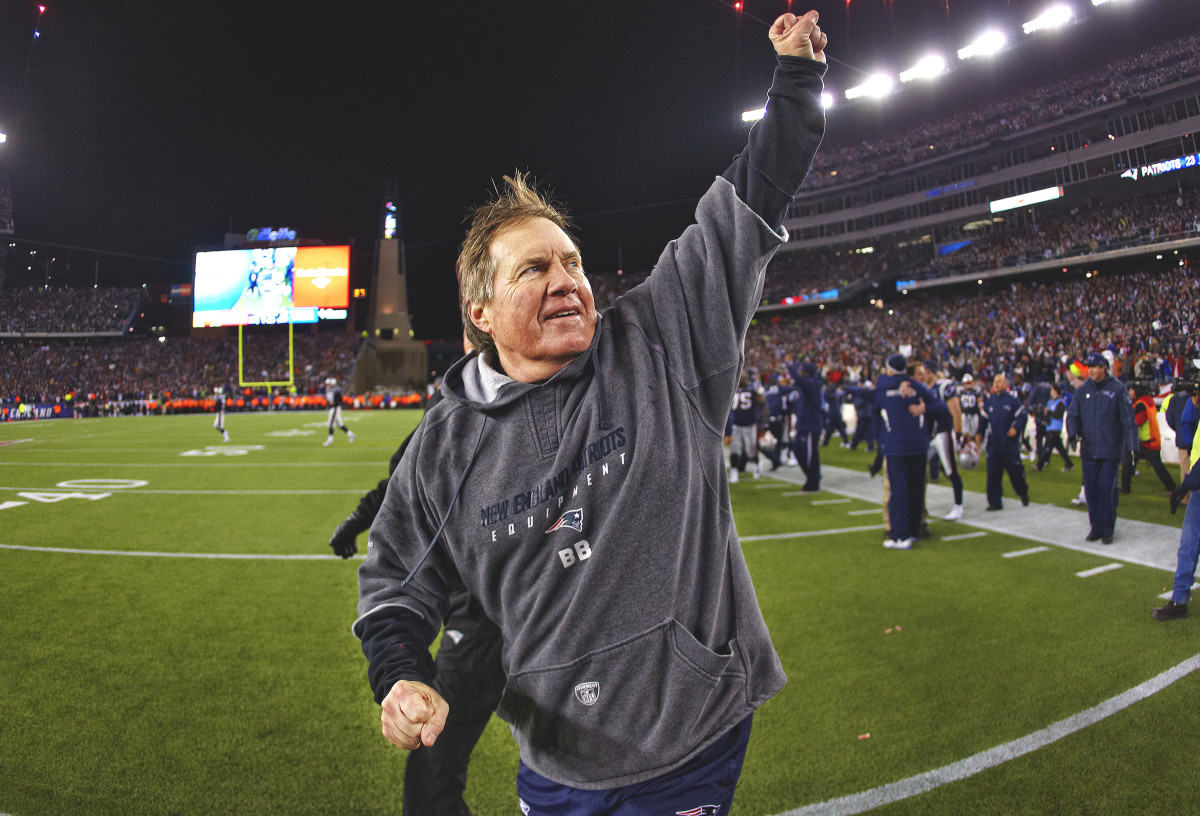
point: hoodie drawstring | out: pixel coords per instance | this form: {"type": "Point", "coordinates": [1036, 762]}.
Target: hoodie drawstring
{"type": "Point", "coordinates": [453, 501]}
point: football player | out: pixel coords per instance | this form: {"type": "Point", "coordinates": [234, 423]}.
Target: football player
{"type": "Point", "coordinates": [219, 421]}
{"type": "Point", "coordinates": [333, 396]}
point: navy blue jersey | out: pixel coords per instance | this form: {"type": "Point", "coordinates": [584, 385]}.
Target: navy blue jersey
{"type": "Point", "coordinates": [946, 390]}
{"type": "Point", "coordinates": [808, 406]}
{"type": "Point", "coordinates": [968, 400]}
{"type": "Point", "coordinates": [776, 397]}
{"type": "Point", "coordinates": [901, 433]}
{"type": "Point", "coordinates": [333, 396]}
{"type": "Point", "coordinates": [747, 405]}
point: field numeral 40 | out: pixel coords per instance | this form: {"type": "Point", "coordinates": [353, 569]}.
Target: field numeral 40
{"type": "Point", "coordinates": [52, 497]}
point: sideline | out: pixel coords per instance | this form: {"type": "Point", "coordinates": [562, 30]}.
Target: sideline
{"type": "Point", "coordinates": [925, 782]}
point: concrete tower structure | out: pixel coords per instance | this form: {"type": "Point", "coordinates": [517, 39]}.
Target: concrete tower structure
{"type": "Point", "coordinates": [391, 357]}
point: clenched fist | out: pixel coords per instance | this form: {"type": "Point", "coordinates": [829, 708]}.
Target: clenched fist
{"type": "Point", "coordinates": [413, 715]}
{"type": "Point", "coordinates": [799, 36]}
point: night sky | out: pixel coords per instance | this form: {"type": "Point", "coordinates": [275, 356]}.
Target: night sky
{"type": "Point", "coordinates": [152, 128]}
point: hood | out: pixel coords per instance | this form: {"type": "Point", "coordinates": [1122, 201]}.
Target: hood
{"type": "Point", "coordinates": [474, 384]}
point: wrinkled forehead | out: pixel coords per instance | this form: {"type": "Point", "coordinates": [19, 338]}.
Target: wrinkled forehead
{"type": "Point", "coordinates": [530, 240]}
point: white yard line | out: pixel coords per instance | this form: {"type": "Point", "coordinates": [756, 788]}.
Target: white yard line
{"type": "Point", "coordinates": [960, 536]}
{"type": "Point", "coordinates": [193, 464]}
{"type": "Point", "coordinates": [1030, 551]}
{"type": "Point", "coordinates": [810, 533]}
{"type": "Point", "coordinates": [1099, 570]}
{"type": "Point", "coordinates": [992, 757]}
{"type": "Point", "coordinates": [230, 556]}
{"type": "Point", "coordinates": [204, 492]}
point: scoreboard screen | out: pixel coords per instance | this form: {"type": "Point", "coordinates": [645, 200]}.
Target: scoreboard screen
{"type": "Point", "coordinates": [251, 287]}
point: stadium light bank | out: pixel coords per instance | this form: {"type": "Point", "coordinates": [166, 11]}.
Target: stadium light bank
{"type": "Point", "coordinates": [1053, 17]}
{"type": "Point", "coordinates": [752, 116]}
{"type": "Point", "coordinates": [927, 68]}
{"type": "Point", "coordinates": [988, 43]}
{"type": "Point", "coordinates": [877, 86]}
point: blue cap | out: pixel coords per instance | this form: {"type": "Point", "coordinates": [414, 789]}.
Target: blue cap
{"type": "Point", "coordinates": [809, 369]}
{"type": "Point", "coordinates": [1096, 359]}
{"type": "Point", "coordinates": [897, 362]}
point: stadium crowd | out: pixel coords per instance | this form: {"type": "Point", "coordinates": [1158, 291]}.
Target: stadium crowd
{"type": "Point", "coordinates": [1098, 226]}
{"type": "Point", "coordinates": [1145, 319]}
{"type": "Point", "coordinates": [1088, 88]}
{"type": "Point", "coordinates": [139, 369]}
{"type": "Point", "coordinates": [63, 310]}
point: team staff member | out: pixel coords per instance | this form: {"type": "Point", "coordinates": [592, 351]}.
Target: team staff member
{"type": "Point", "coordinates": [1145, 416]}
{"type": "Point", "coordinates": [809, 412]}
{"type": "Point", "coordinates": [901, 404]}
{"type": "Point", "coordinates": [1004, 415]}
{"type": "Point", "coordinates": [595, 527]}
{"type": "Point", "coordinates": [1101, 414]}
{"type": "Point", "coordinates": [1189, 550]}
{"type": "Point", "coordinates": [1056, 412]}
{"type": "Point", "coordinates": [466, 673]}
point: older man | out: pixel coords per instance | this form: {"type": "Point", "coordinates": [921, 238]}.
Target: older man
{"type": "Point", "coordinates": [1004, 415]}
{"type": "Point", "coordinates": [573, 480]}
{"type": "Point", "coordinates": [1101, 413]}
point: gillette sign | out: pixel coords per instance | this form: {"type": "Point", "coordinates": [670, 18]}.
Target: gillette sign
{"type": "Point", "coordinates": [1158, 168]}
{"type": "Point", "coordinates": [271, 234]}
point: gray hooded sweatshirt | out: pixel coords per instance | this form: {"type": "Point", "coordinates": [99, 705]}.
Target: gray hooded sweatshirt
{"type": "Point", "coordinates": [590, 513]}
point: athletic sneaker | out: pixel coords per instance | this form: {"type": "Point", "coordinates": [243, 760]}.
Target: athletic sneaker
{"type": "Point", "coordinates": [733, 476]}
{"type": "Point", "coordinates": [955, 513]}
{"type": "Point", "coordinates": [328, 441]}
{"type": "Point", "coordinates": [226, 435]}
{"type": "Point", "coordinates": [906, 544]}
{"type": "Point", "coordinates": [1172, 611]}
{"type": "Point", "coordinates": [350, 436]}
{"type": "Point", "coordinates": [1079, 501]}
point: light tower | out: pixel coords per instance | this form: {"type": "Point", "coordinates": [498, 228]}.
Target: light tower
{"type": "Point", "coordinates": [391, 357]}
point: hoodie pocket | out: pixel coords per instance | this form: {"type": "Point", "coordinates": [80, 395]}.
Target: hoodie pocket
{"type": "Point", "coordinates": [627, 709]}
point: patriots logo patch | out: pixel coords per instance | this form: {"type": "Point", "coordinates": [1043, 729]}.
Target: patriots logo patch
{"type": "Point", "coordinates": [703, 810]}
{"type": "Point", "coordinates": [571, 518]}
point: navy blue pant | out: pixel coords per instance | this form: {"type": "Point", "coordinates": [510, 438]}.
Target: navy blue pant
{"type": "Point", "coordinates": [1100, 488]}
{"type": "Point", "coordinates": [703, 786]}
{"type": "Point", "coordinates": [863, 432]}
{"type": "Point", "coordinates": [906, 504]}
{"type": "Point", "coordinates": [806, 446]}
{"type": "Point", "coordinates": [998, 463]}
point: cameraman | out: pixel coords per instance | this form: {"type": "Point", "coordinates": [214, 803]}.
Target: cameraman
{"type": "Point", "coordinates": [1145, 416]}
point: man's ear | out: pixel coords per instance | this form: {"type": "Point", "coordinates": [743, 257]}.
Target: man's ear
{"type": "Point", "coordinates": [480, 318]}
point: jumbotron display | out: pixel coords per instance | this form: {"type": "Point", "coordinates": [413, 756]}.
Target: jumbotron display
{"type": "Point", "coordinates": [252, 287]}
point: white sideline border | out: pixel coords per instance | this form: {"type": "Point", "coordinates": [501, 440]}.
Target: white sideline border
{"type": "Point", "coordinates": [984, 760]}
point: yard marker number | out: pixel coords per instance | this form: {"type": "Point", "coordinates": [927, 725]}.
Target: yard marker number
{"type": "Point", "coordinates": [74, 485]}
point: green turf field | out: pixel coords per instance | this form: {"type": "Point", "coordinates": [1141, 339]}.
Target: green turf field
{"type": "Point", "coordinates": [146, 684]}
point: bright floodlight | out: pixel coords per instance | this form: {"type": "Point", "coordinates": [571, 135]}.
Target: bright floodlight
{"type": "Point", "coordinates": [927, 68]}
{"type": "Point", "coordinates": [1052, 17]}
{"type": "Point", "coordinates": [986, 44]}
{"type": "Point", "coordinates": [876, 86]}
{"type": "Point", "coordinates": [1101, 2]}
{"type": "Point", "coordinates": [3, 138]}
{"type": "Point", "coordinates": [826, 101]}
{"type": "Point", "coordinates": [753, 115]}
